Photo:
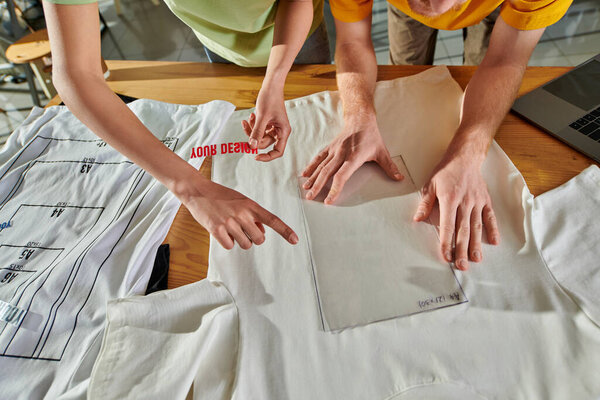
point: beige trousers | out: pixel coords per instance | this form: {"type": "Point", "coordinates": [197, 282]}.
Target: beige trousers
{"type": "Point", "coordinates": [413, 43]}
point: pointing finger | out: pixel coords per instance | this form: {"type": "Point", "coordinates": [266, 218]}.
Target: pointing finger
{"type": "Point", "coordinates": [277, 225]}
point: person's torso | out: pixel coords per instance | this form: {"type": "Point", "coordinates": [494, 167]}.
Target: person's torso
{"type": "Point", "coordinates": [469, 13]}
{"type": "Point", "coordinates": [238, 30]}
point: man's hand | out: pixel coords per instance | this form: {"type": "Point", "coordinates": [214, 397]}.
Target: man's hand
{"type": "Point", "coordinates": [230, 216]}
{"type": "Point", "coordinates": [456, 182]}
{"type": "Point", "coordinates": [269, 125]}
{"type": "Point", "coordinates": [359, 141]}
{"type": "Point", "coordinates": [355, 145]}
{"type": "Point", "coordinates": [465, 207]}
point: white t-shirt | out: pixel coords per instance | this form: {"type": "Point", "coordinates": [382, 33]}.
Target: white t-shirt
{"type": "Point", "coordinates": [85, 224]}
{"type": "Point", "coordinates": [529, 329]}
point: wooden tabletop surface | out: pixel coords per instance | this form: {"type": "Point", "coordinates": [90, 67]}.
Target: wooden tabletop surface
{"type": "Point", "coordinates": [544, 161]}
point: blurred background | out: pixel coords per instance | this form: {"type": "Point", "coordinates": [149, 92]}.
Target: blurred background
{"type": "Point", "coordinates": [147, 30]}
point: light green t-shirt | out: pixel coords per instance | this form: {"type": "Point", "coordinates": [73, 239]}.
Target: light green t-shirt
{"type": "Point", "coordinates": [240, 31]}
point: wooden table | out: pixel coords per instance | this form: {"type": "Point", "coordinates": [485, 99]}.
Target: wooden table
{"type": "Point", "coordinates": [544, 161]}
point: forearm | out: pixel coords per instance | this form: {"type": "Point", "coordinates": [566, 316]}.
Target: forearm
{"type": "Point", "coordinates": [90, 99]}
{"type": "Point", "coordinates": [488, 97]}
{"type": "Point", "coordinates": [492, 90]}
{"type": "Point", "coordinates": [356, 77]}
{"type": "Point", "coordinates": [360, 140]}
{"type": "Point", "coordinates": [74, 36]}
{"type": "Point", "coordinates": [292, 25]}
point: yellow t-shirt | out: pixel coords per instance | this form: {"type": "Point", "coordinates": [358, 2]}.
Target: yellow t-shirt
{"type": "Point", "coordinates": [520, 14]}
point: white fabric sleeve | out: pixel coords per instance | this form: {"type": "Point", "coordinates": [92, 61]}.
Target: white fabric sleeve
{"type": "Point", "coordinates": [156, 346]}
{"type": "Point", "coordinates": [567, 229]}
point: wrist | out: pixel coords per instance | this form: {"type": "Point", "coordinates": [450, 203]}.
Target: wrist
{"type": "Point", "coordinates": [274, 81]}
{"type": "Point", "coordinates": [270, 93]}
{"type": "Point", "coordinates": [469, 151]}
{"type": "Point", "coordinates": [360, 120]}
{"type": "Point", "coordinates": [188, 183]}
{"type": "Point", "coordinates": [467, 159]}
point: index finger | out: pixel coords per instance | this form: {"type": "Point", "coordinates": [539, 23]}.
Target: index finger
{"type": "Point", "coordinates": [248, 125]}
{"type": "Point", "coordinates": [277, 150]}
{"type": "Point", "coordinates": [258, 131]}
{"type": "Point", "coordinates": [277, 225]}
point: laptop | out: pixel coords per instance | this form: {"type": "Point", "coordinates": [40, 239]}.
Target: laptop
{"type": "Point", "coordinates": [568, 107]}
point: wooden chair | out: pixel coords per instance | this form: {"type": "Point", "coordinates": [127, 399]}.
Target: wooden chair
{"type": "Point", "coordinates": [34, 49]}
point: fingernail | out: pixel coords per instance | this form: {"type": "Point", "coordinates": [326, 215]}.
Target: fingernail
{"type": "Point", "coordinates": [398, 175]}
{"type": "Point", "coordinates": [420, 215]}
{"type": "Point", "coordinates": [495, 239]}
{"type": "Point", "coordinates": [462, 264]}
{"type": "Point", "coordinates": [252, 142]}
{"type": "Point", "coordinates": [309, 195]}
{"type": "Point", "coordinates": [306, 185]}
{"type": "Point", "coordinates": [477, 255]}
{"type": "Point", "coordinates": [448, 256]}
{"type": "Point", "coordinates": [294, 238]}
{"type": "Point", "coordinates": [329, 199]}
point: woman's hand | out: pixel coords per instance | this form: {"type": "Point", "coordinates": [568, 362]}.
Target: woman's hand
{"type": "Point", "coordinates": [230, 216]}
{"type": "Point", "coordinates": [268, 124]}
{"type": "Point", "coordinates": [226, 214]}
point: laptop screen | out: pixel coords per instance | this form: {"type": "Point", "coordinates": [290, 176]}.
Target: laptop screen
{"type": "Point", "coordinates": [580, 87]}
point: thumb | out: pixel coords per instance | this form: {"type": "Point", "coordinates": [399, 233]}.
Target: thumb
{"type": "Point", "coordinates": [426, 203]}
{"type": "Point", "coordinates": [258, 131]}
{"type": "Point", "coordinates": [388, 165]}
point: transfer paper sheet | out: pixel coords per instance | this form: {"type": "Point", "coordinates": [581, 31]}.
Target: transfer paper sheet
{"type": "Point", "coordinates": [376, 264]}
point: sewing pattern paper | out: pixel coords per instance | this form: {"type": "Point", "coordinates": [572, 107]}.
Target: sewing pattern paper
{"type": "Point", "coordinates": [85, 224]}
